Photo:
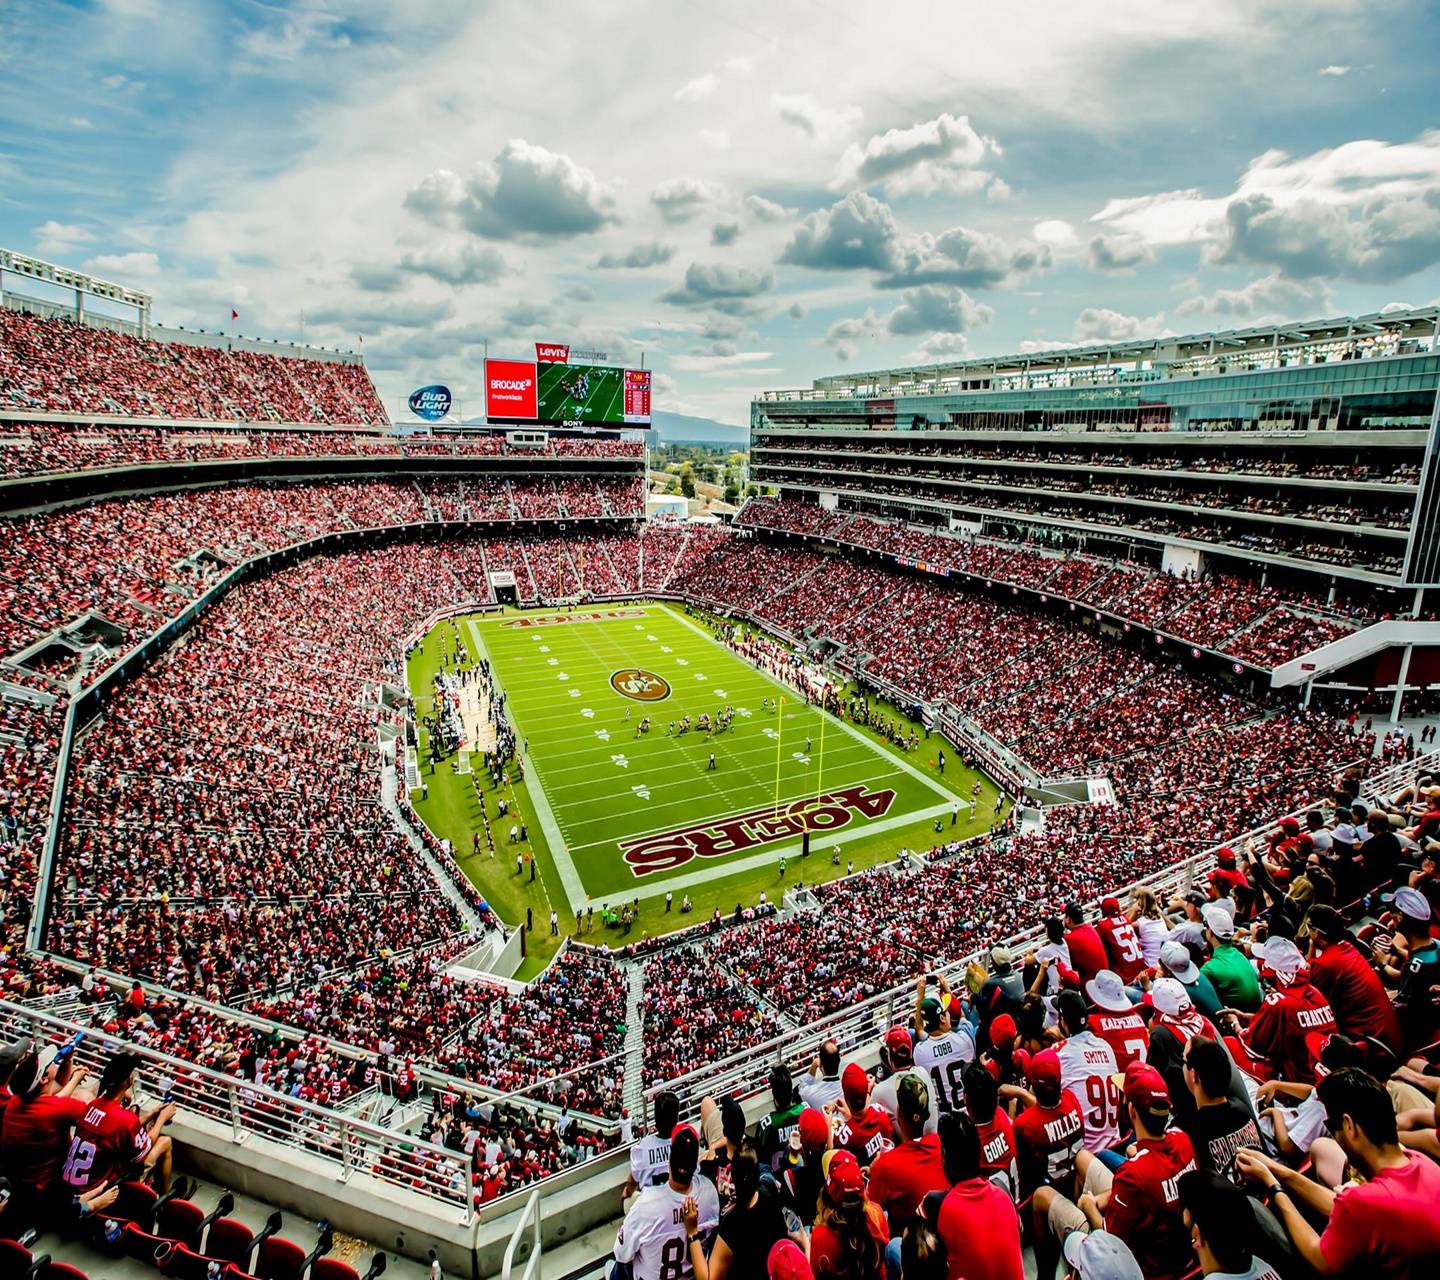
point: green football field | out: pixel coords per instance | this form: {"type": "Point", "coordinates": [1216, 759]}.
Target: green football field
{"type": "Point", "coordinates": [614, 814]}
{"type": "Point", "coordinates": [603, 401]}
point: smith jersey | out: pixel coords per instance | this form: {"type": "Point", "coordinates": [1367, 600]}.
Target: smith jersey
{"type": "Point", "coordinates": [943, 1058]}
{"type": "Point", "coordinates": [652, 1237]}
{"type": "Point", "coordinates": [1086, 1065]}
{"type": "Point", "coordinates": [108, 1139]}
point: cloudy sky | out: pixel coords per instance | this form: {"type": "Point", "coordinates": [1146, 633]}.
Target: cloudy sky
{"type": "Point", "coordinates": [750, 192]}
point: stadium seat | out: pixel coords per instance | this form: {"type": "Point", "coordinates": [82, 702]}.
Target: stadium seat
{"type": "Point", "coordinates": [334, 1269]}
{"type": "Point", "coordinates": [282, 1259]}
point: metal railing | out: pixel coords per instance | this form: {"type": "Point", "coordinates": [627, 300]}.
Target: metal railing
{"type": "Point", "coordinates": [251, 1113]}
{"type": "Point", "coordinates": [528, 1226]}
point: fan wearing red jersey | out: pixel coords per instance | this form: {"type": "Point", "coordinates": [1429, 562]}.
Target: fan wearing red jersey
{"type": "Point", "coordinates": [999, 1158]}
{"type": "Point", "coordinates": [110, 1138]}
{"type": "Point", "coordinates": [1140, 1202]}
{"type": "Point", "coordinates": [862, 1129]}
{"type": "Point", "coordinates": [1123, 952]}
{"type": "Point", "coordinates": [1118, 1022]}
{"type": "Point", "coordinates": [1293, 1019]}
{"type": "Point", "coordinates": [1050, 1132]}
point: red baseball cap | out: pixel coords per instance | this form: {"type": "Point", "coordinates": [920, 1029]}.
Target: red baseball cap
{"type": "Point", "coordinates": [1044, 1068]}
{"type": "Point", "coordinates": [1225, 855]}
{"type": "Point", "coordinates": [898, 1040]}
{"type": "Point", "coordinates": [1003, 1030]}
{"type": "Point", "coordinates": [1144, 1088]}
{"type": "Point", "coordinates": [843, 1176]}
{"type": "Point", "coordinates": [1110, 906]}
{"type": "Point", "coordinates": [787, 1261]}
{"type": "Point", "coordinates": [814, 1130]}
{"type": "Point", "coordinates": [1290, 826]}
{"type": "Point", "coordinates": [855, 1084]}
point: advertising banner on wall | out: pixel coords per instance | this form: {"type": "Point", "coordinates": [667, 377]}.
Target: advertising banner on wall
{"type": "Point", "coordinates": [511, 389]}
{"type": "Point", "coordinates": [431, 403]}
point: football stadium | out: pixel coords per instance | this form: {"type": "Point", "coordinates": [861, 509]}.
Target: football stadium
{"type": "Point", "coordinates": [983, 826]}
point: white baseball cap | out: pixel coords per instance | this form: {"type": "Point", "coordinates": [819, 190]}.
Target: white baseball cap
{"type": "Point", "coordinates": [1098, 1255]}
{"type": "Point", "coordinates": [1220, 922]}
{"type": "Point", "coordinates": [1281, 956]}
{"type": "Point", "coordinates": [1168, 996]}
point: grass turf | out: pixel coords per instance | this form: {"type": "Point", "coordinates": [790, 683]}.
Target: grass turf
{"type": "Point", "coordinates": [592, 784]}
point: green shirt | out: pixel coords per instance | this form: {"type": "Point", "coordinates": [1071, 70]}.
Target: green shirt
{"type": "Point", "coordinates": [1234, 977]}
{"type": "Point", "coordinates": [773, 1131]}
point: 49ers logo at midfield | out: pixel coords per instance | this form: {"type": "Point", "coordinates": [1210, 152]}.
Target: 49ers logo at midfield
{"type": "Point", "coordinates": [643, 686]}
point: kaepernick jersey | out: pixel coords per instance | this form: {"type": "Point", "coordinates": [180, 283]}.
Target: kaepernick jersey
{"type": "Point", "coordinates": [1047, 1140]}
{"type": "Point", "coordinates": [865, 1136]}
{"type": "Point", "coordinates": [943, 1057]}
{"type": "Point", "coordinates": [1282, 1030]}
{"type": "Point", "coordinates": [1086, 1065]}
{"type": "Point", "coordinates": [108, 1139]}
{"type": "Point", "coordinates": [1122, 947]}
{"type": "Point", "coordinates": [1125, 1033]}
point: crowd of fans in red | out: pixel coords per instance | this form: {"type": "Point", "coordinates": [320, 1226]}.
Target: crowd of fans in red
{"type": "Point", "coordinates": [47, 448]}
{"type": "Point", "coordinates": [1240, 618]}
{"type": "Point", "coordinates": [58, 366]}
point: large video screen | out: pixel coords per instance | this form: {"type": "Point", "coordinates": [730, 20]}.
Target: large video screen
{"type": "Point", "coordinates": [572, 395]}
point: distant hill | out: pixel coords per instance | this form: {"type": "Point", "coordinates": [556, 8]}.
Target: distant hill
{"type": "Point", "coordinates": [683, 427]}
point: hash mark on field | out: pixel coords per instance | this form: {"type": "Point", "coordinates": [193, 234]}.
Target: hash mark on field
{"type": "Point", "coordinates": [552, 662]}
{"type": "Point", "coordinates": [664, 648]}
{"type": "Point", "coordinates": [574, 693]}
{"type": "Point", "coordinates": [603, 734]}
{"type": "Point", "coordinates": [587, 712]}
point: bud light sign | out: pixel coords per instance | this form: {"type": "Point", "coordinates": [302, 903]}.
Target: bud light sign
{"type": "Point", "coordinates": [430, 403]}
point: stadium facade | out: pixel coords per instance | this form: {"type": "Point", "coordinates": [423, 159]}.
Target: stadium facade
{"type": "Point", "coordinates": [1301, 446]}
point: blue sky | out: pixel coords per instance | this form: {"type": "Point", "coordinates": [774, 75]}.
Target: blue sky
{"type": "Point", "coordinates": [750, 193]}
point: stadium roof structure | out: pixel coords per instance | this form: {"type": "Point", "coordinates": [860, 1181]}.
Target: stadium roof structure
{"type": "Point", "coordinates": [38, 269]}
{"type": "Point", "coordinates": [1144, 359]}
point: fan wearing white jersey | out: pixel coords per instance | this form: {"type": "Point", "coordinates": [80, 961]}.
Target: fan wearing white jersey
{"type": "Point", "coordinates": [944, 1043]}
{"type": "Point", "coordinates": [650, 1156]}
{"type": "Point", "coordinates": [1086, 1064]}
{"type": "Point", "coordinates": [663, 1232]}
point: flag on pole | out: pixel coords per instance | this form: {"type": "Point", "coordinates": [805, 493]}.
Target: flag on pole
{"type": "Point", "coordinates": [234, 315]}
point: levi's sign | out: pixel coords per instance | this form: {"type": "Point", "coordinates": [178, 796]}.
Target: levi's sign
{"type": "Point", "coordinates": [552, 353]}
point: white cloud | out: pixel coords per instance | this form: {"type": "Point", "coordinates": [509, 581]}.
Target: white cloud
{"type": "Point", "coordinates": [526, 192]}
{"type": "Point", "coordinates": [680, 199]}
{"type": "Point", "coordinates": [125, 266]}
{"type": "Point", "coordinates": [1055, 232]}
{"type": "Point", "coordinates": [698, 89]}
{"type": "Point", "coordinates": [1272, 297]}
{"type": "Point", "coordinates": [822, 123]}
{"type": "Point", "coordinates": [1101, 324]}
{"type": "Point", "coordinates": [1119, 253]}
{"type": "Point", "coordinates": [767, 210]}
{"type": "Point", "coordinates": [1366, 209]}
{"type": "Point", "coordinates": [1334, 69]}
{"type": "Point", "coordinates": [930, 156]}
{"type": "Point", "coordinates": [57, 238]}
{"type": "Point", "coordinates": [715, 139]}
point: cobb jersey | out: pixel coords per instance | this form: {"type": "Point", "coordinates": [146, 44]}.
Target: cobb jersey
{"type": "Point", "coordinates": [652, 1237]}
{"type": "Point", "coordinates": [108, 1139]}
{"type": "Point", "coordinates": [650, 1160]}
{"type": "Point", "coordinates": [1125, 1033]}
{"type": "Point", "coordinates": [1289, 1029]}
{"type": "Point", "coordinates": [943, 1058]}
{"type": "Point", "coordinates": [1047, 1140]}
{"type": "Point", "coordinates": [865, 1136]}
{"type": "Point", "coordinates": [1086, 1065]}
